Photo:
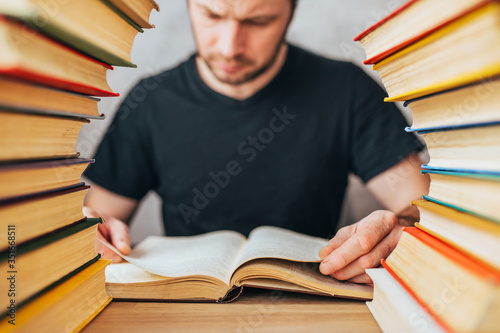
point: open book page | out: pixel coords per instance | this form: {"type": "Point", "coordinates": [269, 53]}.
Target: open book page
{"type": "Point", "coordinates": [305, 274]}
{"type": "Point", "coordinates": [213, 254]}
{"type": "Point", "coordinates": [129, 273]}
{"type": "Point", "coordinates": [273, 242]}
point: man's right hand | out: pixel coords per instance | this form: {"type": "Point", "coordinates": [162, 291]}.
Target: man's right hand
{"type": "Point", "coordinates": [113, 231]}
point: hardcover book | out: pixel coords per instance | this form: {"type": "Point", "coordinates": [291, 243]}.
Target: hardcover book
{"type": "Point", "coordinates": [137, 10]}
{"type": "Point", "coordinates": [24, 178]}
{"type": "Point", "coordinates": [469, 146]}
{"type": "Point", "coordinates": [25, 136]}
{"type": "Point", "coordinates": [216, 266]}
{"type": "Point", "coordinates": [394, 308]}
{"type": "Point", "coordinates": [92, 27]}
{"type": "Point", "coordinates": [472, 104]}
{"type": "Point", "coordinates": [460, 53]}
{"type": "Point", "coordinates": [480, 238]}
{"type": "Point", "coordinates": [44, 261]}
{"type": "Point", "coordinates": [468, 192]}
{"type": "Point", "coordinates": [45, 100]}
{"type": "Point", "coordinates": [460, 293]}
{"type": "Point", "coordinates": [41, 60]}
{"type": "Point", "coordinates": [67, 307]}
{"type": "Point", "coordinates": [38, 214]}
{"type": "Point", "coordinates": [409, 23]}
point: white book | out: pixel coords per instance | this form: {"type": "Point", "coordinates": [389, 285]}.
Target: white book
{"type": "Point", "coordinates": [394, 308]}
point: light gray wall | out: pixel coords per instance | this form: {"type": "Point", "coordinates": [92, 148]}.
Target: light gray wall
{"type": "Point", "coordinates": [326, 27]}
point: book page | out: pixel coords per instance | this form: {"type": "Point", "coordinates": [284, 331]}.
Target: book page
{"type": "Point", "coordinates": [274, 242]}
{"type": "Point", "coordinates": [125, 272]}
{"type": "Point", "coordinates": [213, 254]}
{"type": "Point", "coordinates": [305, 274]}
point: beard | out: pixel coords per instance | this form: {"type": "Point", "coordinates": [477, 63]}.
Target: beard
{"type": "Point", "coordinates": [209, 60]}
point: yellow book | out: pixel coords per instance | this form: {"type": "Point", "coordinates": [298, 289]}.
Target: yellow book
{"type": "Point", "coordinates": [462, 52]}
{"type": "Point", "coordinates": [33, 267]}
{"type": "Point", "coordinates": [471, 104]}
{"type": "Point", "coordinates": [471, 234]}
{"type": "Point", "coordinates": [66, 308]}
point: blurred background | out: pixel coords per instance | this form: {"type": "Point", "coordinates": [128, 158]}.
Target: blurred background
{"type": "Point", "coordinates": [326, 27]}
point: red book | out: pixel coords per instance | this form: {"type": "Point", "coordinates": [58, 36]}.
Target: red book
{"type": "Point", "coordinates": [459, 292]}
{"type": "Point", "coordinates": [411, 22]}
{"type": "Point", "coordinates": [31, 56]}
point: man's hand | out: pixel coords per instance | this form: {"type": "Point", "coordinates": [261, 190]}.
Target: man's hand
{"type": "Point", "coordinates": [113, 231]}
{"type": "Point", "coordinates": [360, 246]}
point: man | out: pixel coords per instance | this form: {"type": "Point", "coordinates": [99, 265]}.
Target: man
{"type": "Point", "coordinates": [252, 131]}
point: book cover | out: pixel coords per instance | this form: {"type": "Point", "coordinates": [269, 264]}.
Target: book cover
{"type": "Point", "coordinates": [35, 177]}
{"type": "Point", "coordinates": [430, 168]}
{"type": "Point", "coordinates": [73, 71]}
{"type": "Point", "coordinates": [46, 100]}
{"type": "Point", "coordinates": [410, 33]}
{"type": "Point", "coordinates": [93, 40]}
{"type": "Point", "coordinates": [38, 214]}
{"type": "Point", "coordinates": [83, 293]}
{"type": "Point", "coordinates": [445, 264]}
{"type": "Point", "coordinates": [451, 127]}
{"type": "Point", "coordinates": [412, 64]}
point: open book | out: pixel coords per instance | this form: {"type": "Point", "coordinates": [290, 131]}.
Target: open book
{"type": "Point", "coordinates": [215, 267]}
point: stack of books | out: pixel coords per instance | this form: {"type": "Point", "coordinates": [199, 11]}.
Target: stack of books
{"type": "Point", "coordinates": [443, 59]}
{"type": "Point", "coordinates": [53, 63]}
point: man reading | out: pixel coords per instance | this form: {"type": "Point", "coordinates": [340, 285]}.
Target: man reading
{"type": "Point", "coordinates": [254, 131]}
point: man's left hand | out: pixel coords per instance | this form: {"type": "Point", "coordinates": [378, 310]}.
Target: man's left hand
{"type": "Point", "coordinates": [360, 246]}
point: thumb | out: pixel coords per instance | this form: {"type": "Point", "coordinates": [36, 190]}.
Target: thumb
{"type": "Point", "coordinates": [342, 235]}
{"type": "Point", "coordinates": [119, 235]}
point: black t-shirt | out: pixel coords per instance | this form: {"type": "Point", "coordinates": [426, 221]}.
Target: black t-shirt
{"type": "Point", "coordinates": [280, 157]}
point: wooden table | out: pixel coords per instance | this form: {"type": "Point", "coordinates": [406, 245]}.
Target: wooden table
{"type": "Point", "coordinates": [254, 311]}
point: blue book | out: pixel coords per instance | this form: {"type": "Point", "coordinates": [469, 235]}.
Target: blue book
{"type": "Point", "coordinates": [464, 147]}
{"type": "Point", "coordinates": [451, 127]}
{"type": "Point", "coordinates": [475, 193]}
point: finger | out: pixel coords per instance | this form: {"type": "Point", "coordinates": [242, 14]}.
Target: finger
{"type": "Point", "coordinates": [103, 228]}
{"type": "Point", "coordinates": [108, 254]}
{"type": "Point", "coordinates": [362, 242]}
{"type": "Point", "coordinates": [370, 259]}
{"type": "Point", "coordinates": [363, 278]}
{"type": "Point", "coordinates": [342, 235]}
{"type": "Point", "coordinates": [119, 235]}
{"type": "Point", "coordinates": [105, 252]}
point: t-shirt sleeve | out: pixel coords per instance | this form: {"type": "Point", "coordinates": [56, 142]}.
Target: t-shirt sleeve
{"type": "Point", "coordinates": [378, 138]}
{"type": "Point", "coordinates": [123, 160]}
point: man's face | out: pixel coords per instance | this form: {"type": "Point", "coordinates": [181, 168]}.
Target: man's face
{"type": "Point", "coordinates": [239, 39]}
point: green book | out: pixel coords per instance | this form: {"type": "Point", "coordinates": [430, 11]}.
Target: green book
{"type": "Point", "coordinates": [33, 267]}
{"type": "Point", "coordinates": [92, 27]}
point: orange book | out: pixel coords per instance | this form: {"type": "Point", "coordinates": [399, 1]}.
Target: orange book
{"type": "Point", "coordinates": [478, 237]}
{"type": "Point", "coordinates": [461, 293]}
